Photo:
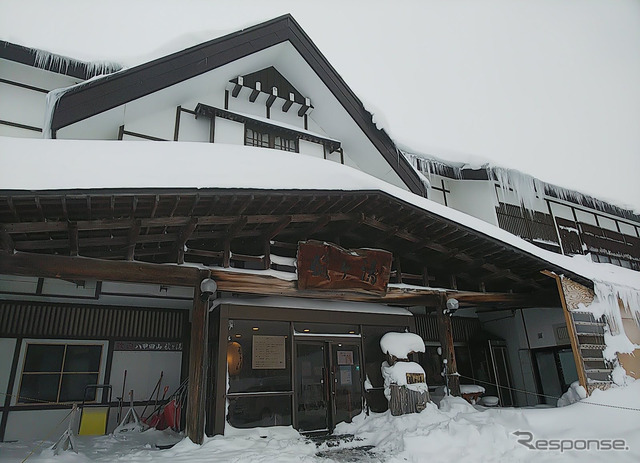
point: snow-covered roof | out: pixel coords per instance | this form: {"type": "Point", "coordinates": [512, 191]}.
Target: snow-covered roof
{"type": "Point", "coordinates": [503, 90]}
{"type": "Point", "coordinates": [35, 164]}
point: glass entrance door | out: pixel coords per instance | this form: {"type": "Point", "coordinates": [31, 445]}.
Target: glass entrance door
{"type": "Point", "coordinates": [328, 384]}
{"type": "Point", "coordinates": [311, 387]}
{"type": "Point", "coordinates": [346, 393]}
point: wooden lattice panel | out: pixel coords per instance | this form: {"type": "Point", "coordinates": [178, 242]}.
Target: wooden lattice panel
{"type": "Point", "coordinates": [576, 294]}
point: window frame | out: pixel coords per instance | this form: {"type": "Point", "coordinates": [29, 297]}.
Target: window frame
{"type": "Point", "coordinates": [271, 133]}
{"type": "Point", "coordinates": [20, 373]}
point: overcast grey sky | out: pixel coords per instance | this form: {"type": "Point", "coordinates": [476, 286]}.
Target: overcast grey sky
{"type": "Point", "coordinates": [551, 87]}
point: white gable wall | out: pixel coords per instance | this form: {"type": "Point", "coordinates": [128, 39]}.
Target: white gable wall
{"type": "Point", "coordinates": [154, 114]}
{"type": "Point", "coordinates": [26, 106]}
{"type": "Point", "coordinates": [474, 198]}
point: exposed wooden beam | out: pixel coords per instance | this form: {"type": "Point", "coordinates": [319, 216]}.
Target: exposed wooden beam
{"type": "Point", "coordinates": [81, 268]}
{"type": "Point", "coordinates": [236, 90]}
{"type": "Point", "coordinates": [183, 237]}
{"type": "Point", "coordinates": [132, 239]}
{"type": "Point", "coordinates": [198, 367]}
{"type": "Point", "coordinates": [6, 242]}
{"type": "Point", "coordinates": [287, 104]}
{"type": "Point", "coordinates": [73, 239]}
{"type": "Point", "coordinates": [104, 224]}
{"type": "Point", "coordinates": [277, 228]}
{"type": "Point", "coordinates": [445, 333]}
{"type": "Point", "coordinates": [254, 95]}
{"type": "Point", "coordinates": [270, 100]}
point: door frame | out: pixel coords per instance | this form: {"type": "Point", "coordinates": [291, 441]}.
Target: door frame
{"type": "Point", "coordinates": [329, 341]}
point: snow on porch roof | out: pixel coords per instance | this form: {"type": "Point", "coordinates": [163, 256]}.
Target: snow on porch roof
{"type": "Point", "coordinates": [34, 164]}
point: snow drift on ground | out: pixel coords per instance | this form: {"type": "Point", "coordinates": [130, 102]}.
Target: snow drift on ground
{"type": "Point", "coordinates": [456, 431]}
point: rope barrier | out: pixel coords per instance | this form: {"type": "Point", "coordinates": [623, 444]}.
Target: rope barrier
{"type": "Point", "coordinates": [48, 402]}
{"type": "Point", "coordinates": [49, 435]}
{"type": "Point", "coordinates": [545, 395]}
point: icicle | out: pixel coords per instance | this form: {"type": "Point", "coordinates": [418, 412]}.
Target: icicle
{"type": "Point", "coordinates": [606, 303]}
{"type": "Point", "coordinates": [524, 186]}
{"type": "Point", "coordinates": [61, 64]}
{"type": "Point", "coordinates": [52, 101]}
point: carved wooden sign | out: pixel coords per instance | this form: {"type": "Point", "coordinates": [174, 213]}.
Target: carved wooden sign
{"type": "Point", "coordinates": [329, 267]}
{"type": "Point", "coordinates": [415, 378]}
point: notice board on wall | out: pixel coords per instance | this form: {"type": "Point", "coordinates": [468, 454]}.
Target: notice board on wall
{"type": "Point", "coordinates": [268, 353]}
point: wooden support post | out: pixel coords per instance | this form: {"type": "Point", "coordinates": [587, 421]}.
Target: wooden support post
{"type": "Point", "coordinates": [446, 341]}
{"type": "Point", "coordinates": [573, 337]}
{"type": "Point", "coordinates": [198, 363]}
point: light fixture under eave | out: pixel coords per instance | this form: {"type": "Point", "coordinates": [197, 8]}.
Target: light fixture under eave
{"type": "Point", "coordinates": [306, 330]}
{"type": "Point", "coordinates": [208, 287]}
{"type": "Point", "coordinates": [255, 328]}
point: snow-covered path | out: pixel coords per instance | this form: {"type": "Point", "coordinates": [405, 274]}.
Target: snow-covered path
{"type": "Point", "coordinates": [454, 432]}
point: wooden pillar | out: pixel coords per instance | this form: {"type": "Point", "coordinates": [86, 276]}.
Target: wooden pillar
{"type": "Point", "coordinates": [446, 341]}
{"type": "Point", "coordinates": [198, 364]}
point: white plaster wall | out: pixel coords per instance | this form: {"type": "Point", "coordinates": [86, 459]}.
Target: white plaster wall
{"type": "Point", "coordinates": [474, 198]}
{"type": "Point", "coordinates": [8, 131]}
{"type": "Point", "coordinates": [35, 77]}
{"type": "Point", "coordinates": [290, 117]}
{"type": "Point", "coordinates": [160, 124]}
{"type": "Point", "coordinates": [103, 126]}
{"type": "Point", "coordinates": [313, 126]}
{"type": "Point", "coordinates": [311, 149]}
{"type": "Point", "coordinates": [541, 323]}
{"type": "Point", "coordinates": [241, 104]}
{"type": "Point", "coordinates": [143, 371]}
{"type": "Point", "coordinates": [227, 131]}
{"type": "Point", "coordinates": [35, 424]}
{"type": "Point", "coordinates": [119, 294]}
{"type": "Point", "coordinates": [7, 349]}
{"type": "Point", "coordinates": [192, 129]}
{"type": "Point", "coordinates": [18, 284]}
{"type": "Point", "coordinates": [21, 105]}
{"type": "Point", "coordinates": [508, 325]}
{"type": "Point", "coordinates": [53, 287]}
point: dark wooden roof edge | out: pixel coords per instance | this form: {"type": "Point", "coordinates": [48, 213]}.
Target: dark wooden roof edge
{"type": "Point", "coordinates": [116, 89]}
{"type": "Point", "coordinates": [543, 263]}
{"type": "Point", "coordinates": [58, 63]}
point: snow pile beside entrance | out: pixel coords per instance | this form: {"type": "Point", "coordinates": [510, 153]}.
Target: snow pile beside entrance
{"type": "Point", "coordinates": [400, 345]}
{"type": "Point", "coordinates": [573, 395]}
{"type": "Point", "coordinates": [455, 432]}
{"type": "Point", "coordinates": [397, 374]}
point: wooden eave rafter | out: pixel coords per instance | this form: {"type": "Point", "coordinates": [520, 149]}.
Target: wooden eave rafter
{"type": "Point", "coordinates": [160, 231]}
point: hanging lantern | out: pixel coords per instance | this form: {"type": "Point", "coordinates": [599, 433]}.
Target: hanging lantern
{"type": "Point", "coordinates": [234, 358]}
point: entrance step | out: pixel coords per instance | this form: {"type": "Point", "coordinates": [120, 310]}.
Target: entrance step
{"type": "Point", "coordinates": [354, 454]}
{"type": "Point", "coordinates": [331, 440]}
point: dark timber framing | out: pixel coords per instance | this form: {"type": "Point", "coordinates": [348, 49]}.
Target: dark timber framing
{"type": "Point", "coordinates": [56, 63]}
{"type": "Point", "coordinates": [116, 89]}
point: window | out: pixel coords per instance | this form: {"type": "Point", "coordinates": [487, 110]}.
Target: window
{"type": "Point", "coordinates": [263, 138]}
{"type": "Point", "coordinates": [59, 372]}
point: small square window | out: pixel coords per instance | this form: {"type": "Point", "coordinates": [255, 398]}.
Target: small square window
{"type": "Point", "coordinates": [54, 373]}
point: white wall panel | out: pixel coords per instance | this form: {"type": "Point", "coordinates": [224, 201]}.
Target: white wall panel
{"type": "Point", "coordinates": [7, 349]}
{"type": "Point", "coordinates": [229, 132]}
{"type": "Point", "coordinates": [311, 149]}
{"type": "Point", "coordinates": [35, 424]}
{"type": "Point", "coordinates": [192, 129]}
{"type": "Point", "coordinates": [143, 371]}
{"type": "Point", "coordinates": [21, 105]}
{"type": "Point", "coordinates": [18, 284]}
